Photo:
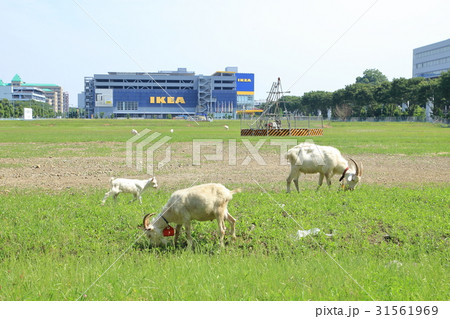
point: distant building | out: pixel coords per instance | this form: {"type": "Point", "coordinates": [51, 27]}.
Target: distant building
{"type": "Point", "coordinates": [431, 60]}
{"type": "Point", "coordinates": [65, 102]}
{"type": "Point", "coordinates": [28, 93]}
{"type": "Point", "coordinates": [19, 93]}
{"type": "Point", "coordinates": [5, 91]}
{"type": "Point", "coordinates": [164, 93]}
{"type": "Point", "coordinates": [22, 91]}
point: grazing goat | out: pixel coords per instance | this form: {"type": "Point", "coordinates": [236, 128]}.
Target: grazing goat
{"type": "Point", "coordinates": [131, 186]}
{"type": "Point", "coordinates": [202, 202]}
{"type": "Point", "coordinates": [310, 158]}
{"type": "Point", "coordinates": [134, 132]}
{"type": "Point", "coordinates": [226, 127]}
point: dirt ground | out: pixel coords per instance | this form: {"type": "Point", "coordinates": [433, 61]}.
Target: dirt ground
{"type": "Point", "coordinates": [59, 173]}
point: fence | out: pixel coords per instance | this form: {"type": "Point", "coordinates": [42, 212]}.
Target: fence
{"type": "Point", "coordinates": [392, 119]}
{"type": "Point", "coordinates": [282, 126]}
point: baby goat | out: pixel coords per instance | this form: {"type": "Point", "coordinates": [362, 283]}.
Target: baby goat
{"type": "Point", "coordinates": [131, 186]}
{"type": "Point", "coordinates": [202, 202]}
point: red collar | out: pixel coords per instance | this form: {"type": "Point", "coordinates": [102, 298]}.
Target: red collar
{"type": "Point", "coordinates": [343, 174]}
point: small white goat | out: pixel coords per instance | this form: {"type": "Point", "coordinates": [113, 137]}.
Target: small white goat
{"type": "Point", "coordinates": [310, 158]}
{"type": "Point", "coordinates": [134, 132]}
{"type": "Point", "coordinates": [204, 202]}
{"type": "Point", "coordinates": [226, 127]}
{"type": "Point", "coordinates": [131, 186]}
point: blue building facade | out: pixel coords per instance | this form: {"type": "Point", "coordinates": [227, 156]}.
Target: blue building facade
{"type": "Point", "coordinates": [174, 93]}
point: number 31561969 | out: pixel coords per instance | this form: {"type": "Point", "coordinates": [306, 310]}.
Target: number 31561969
{"type": "Point", "coordinates": [407, 310]}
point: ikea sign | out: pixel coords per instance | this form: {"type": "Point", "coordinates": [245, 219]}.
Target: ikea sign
{"type": "Point", "coordinates": [245, 82]}
{"type": "Point", "coordinates": [167, 100]}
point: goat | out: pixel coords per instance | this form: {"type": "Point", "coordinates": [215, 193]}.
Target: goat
{"type": "Point", "coordinates": [134, 132]}
{"type": "Point", "coordinates": [310, 158]}
{"type": "Point", "coordinates": [131, 186]}
{"type": "Point", "coordinates": [204, 202]}
{"type": "Point", "coordinates": [226, 127]}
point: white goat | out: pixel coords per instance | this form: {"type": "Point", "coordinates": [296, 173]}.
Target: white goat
{"type": "Point", "coordinates": [202, 202]}
{"type": "Point", "coordinates": [131, 186]}
{"type": "Point", "coordinates": [134, 132]}
{"type": "Point", "coordinates": [310, 158]}
{"type": "Point", "coordinates": [226, 127]}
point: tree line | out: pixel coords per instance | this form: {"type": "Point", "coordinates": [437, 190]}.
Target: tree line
{"type": "Point", "coordinates": [14, 109]}
{"type": "Point", "coordinates": [372, 95]}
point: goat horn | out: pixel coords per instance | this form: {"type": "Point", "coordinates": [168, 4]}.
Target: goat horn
{"type": "Point", "coordinates": [357, 168]}
{"type": "Point", "coordinates": [146, 218]}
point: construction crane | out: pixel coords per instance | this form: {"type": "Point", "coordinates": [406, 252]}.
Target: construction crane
{"type": "Point", "coordinates": [273, 112]}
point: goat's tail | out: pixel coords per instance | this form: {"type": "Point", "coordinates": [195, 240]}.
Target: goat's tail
{"type": "Point", "coordinates": [234, 191]}
{"type": "Point", "coordinates": [292, 157]}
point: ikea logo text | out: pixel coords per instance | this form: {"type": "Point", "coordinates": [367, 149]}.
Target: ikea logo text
{"type": "Point", "coordinates": [166, 100]}
{"type": "Point", "coordinates": [244, 80]}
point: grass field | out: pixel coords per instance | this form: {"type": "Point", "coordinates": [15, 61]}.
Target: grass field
{"type": "Point", "coordinates": [388, 242]}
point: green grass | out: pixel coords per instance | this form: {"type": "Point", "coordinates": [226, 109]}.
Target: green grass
{"type": "Point", "coordinates": [393, 241]}
{"type": "Point", "coordinates": [394, 245]}
{"type": "Point", "coordinates": [34, 138]}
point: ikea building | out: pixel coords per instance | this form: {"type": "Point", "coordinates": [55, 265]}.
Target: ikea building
{"type": "Point", "coordinates": [167, 94]}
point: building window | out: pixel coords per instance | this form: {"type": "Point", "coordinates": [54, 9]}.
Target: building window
{"type": "Point", "coordinates": [127, 106]}
{"type": "Point", "coordinates": [432, 63]}
{"type": "Point", "coordinates": [433, 51]}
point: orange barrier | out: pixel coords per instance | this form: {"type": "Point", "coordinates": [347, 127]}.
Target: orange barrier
{"type": "Point", "coordinates": [282, 132]}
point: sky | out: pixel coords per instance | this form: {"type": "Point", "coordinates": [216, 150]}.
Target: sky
{"type": "Point", "coordinates": [320, 45]}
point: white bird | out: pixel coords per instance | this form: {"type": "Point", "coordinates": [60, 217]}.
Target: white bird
{"type": "Point", "coordinates": [226, 127]}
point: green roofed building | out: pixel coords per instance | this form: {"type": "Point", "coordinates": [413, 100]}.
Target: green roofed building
{"type": "Point", "coordinates": [53, 93]}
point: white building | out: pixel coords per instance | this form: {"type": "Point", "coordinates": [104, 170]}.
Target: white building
{"type": "Point", "coordinates": [431, 60]}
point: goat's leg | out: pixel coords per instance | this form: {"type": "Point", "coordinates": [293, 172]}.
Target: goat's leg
{"type": "Point", "coordinates": [135, 197]}
{"type": "Point", "coordinates": [296, 184]}
{"type": "Point", "coordinates": [328, 177]}
{"type": "Point", "coordinates": [107, 194]}
{"type": "Point", "coordinates": [138, 195]}
{"type": "Point", "coordinates": [293, 175]}
{"type": "Point", "coordinates": [297, 175]}
{"type": "Point", "coordinates": [177, 234]}
{"type": "Point", "coordinates": [222, 214]}
{"type": "Point", "coordinates": [187, 226]}
{"type": "Point", "coordinates": [320, 181]}
{"type": "Point", "coordinates": [232, 222]}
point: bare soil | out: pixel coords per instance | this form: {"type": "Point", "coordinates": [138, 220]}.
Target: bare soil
{"type": "Point", "coordinates": [57, 173]}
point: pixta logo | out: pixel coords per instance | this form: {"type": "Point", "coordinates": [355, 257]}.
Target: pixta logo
{"type": "Point", "coordinates": [142, 143]}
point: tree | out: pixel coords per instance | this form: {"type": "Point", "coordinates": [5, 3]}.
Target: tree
{"type": "Point", "coordinates": [382, 93]}
{"type": "Point", "coordinates": [15, 108]}
{"type": "Point", "coordinates": [293, 104]}
{"type": "Point", "coordinates": [442, 100]}
{"type": "Point", "coordinates": [399, 91]}
{"type": "Point", "coordinates": [372, 76]}
{"type": "Point", "coordinates": [343, 111]}
{"type": "Point", "coordinates": [316, 101]}
{"type": "Point", "coordinates": [360, 96]}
